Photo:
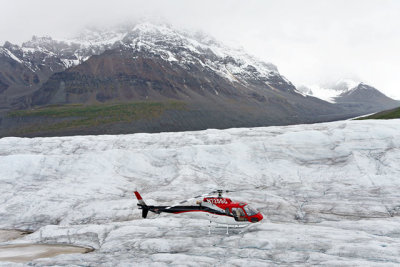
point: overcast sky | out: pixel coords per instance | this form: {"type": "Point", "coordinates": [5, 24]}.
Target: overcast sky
{"type": "Point", "coordinates": [311, 41]}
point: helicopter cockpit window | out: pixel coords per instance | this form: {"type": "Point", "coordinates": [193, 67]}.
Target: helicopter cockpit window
{"type": "Point", "coordinates": [250, 211]}
{"type": "Point", "coordinates": [239, 214]}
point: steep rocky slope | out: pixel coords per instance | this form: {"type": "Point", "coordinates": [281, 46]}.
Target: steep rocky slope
{"type": "Point", "coordinates": [367, 95]}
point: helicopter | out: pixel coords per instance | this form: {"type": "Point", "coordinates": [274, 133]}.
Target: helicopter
{"type": "Point", "coordinates": [219, 209]}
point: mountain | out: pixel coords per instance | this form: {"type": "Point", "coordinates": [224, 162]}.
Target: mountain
{"type": "Point", "coordinates": [183, 81]}
{"type": "Point", "coordinates": [23, 69]}
{"type": "Point", "coordinates": [351, 95]}
{"type": "Point", "coordinates": [153, 62]}
{"type": "Point", "coordinates": [364, 93]}
{"type": "Point", "coordinates": [157, 62]}
{"type": "Point", "coordinates": [365, 98]}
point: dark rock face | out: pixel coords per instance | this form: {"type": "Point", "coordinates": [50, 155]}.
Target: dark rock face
{"type": "Point", "coordinates": [212, 101]}
{"type": "Point", "coordinates": [24, 68]}
{"type": "Point", "coordinates": [3, 86]}
{"type": "Point", "coordinates": [366, 99]}
{"type": "Point", "coordinates": [115, 76]}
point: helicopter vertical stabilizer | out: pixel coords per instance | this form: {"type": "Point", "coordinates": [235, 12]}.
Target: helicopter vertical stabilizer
{"type": "Point", "coordinates": [140, 199]}
{"type": "Point", "coordinates": [142, 204]}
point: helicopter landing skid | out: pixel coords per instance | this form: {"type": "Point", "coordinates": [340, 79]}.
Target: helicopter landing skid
{"type": "Point", "coordinates": [227, 226]}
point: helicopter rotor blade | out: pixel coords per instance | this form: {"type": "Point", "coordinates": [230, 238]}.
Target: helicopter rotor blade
{"type": "Point", "coordinates": [187, 200]}
{"type": "Point", "coordinates": [199, 196]}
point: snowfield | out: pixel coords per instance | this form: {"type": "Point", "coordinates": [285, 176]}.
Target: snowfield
{"type": "Point", "coordinates": [330, 195]}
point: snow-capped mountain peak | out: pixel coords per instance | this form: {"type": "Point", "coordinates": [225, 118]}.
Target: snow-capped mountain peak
{"type": "Point", "coordinates": [361, 88]}
{"type": "Point", "coordinates": [183, 48]}
{"type": "Point", "coordinates": [349, 92]}
{"type": "Point", "coordinates": [160, 40]}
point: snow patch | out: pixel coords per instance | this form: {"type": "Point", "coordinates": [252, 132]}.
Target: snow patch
{"type": "Point", "coordinates": [9, 54]}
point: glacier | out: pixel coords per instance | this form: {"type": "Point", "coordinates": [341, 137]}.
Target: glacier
{"type": "Point", "coordinates": [330, 91]}
{"type": "Point", "coordinates": [329, 194]}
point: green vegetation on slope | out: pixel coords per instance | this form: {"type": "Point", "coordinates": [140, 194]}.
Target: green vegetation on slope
{"type": "Point", "coordinates": [384, 115]}
{"type": "Point", "coordinates": [62, 117]}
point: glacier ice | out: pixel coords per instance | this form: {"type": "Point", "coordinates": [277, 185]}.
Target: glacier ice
{"type": "Point", "coordinates": [329, 194]}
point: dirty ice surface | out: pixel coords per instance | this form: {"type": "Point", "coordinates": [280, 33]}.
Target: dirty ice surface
{"type": "Point", "coordinates": [28, 252]}
{"type": "Point", "coordinates": [6, 235]}
{"type": "Point", "coordinates": [330, 195]}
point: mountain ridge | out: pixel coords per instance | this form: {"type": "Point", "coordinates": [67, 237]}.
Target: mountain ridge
{"type": "Point", "coordinates": [222, 87]}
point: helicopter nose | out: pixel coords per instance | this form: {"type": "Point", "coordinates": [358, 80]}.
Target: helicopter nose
{"type": "Point", "coordinates": [256, 218]}
{"type": "Point", "coordinates": [260, 217]}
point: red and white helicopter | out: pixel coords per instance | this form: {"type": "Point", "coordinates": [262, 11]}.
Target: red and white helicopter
{"type": "Point", "coordinates": [220, 210]}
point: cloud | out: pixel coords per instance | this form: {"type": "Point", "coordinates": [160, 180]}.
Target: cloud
{"type": "Point", "coordinates": [311, 41]}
